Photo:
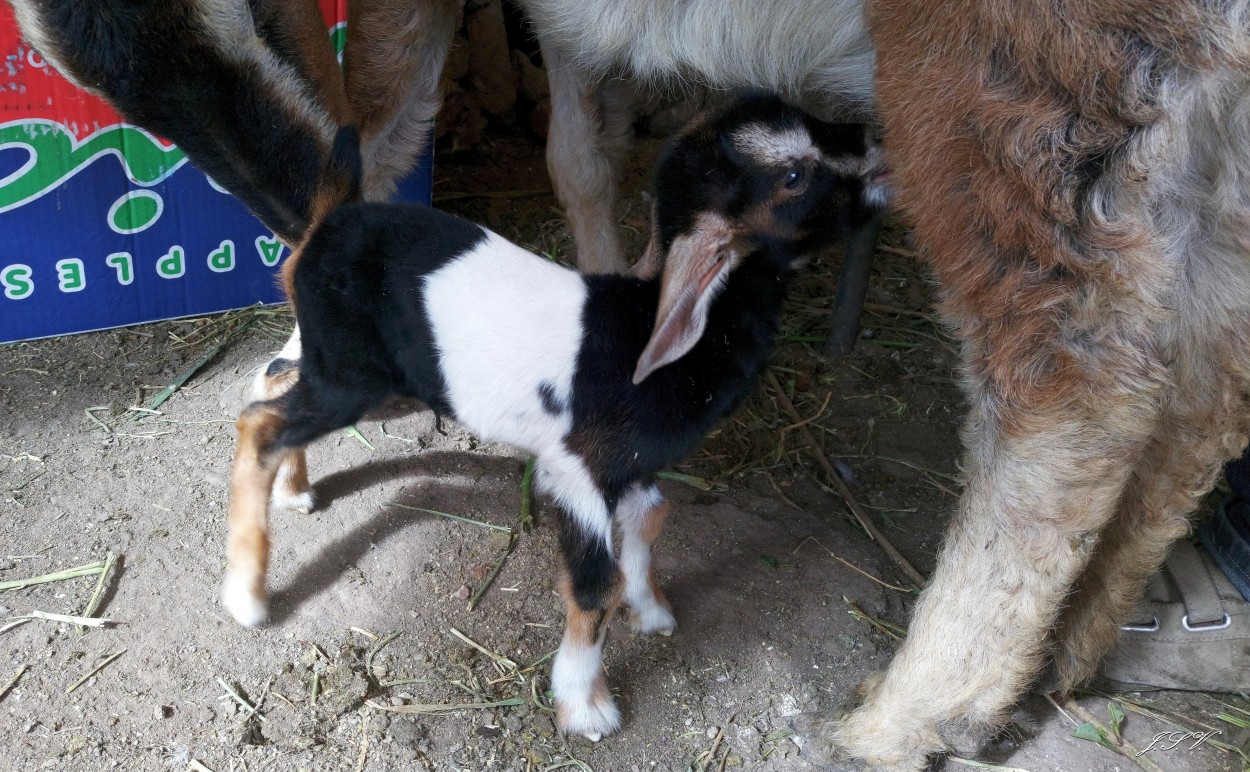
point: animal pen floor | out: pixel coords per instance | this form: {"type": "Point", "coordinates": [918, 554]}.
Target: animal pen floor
{"type": "Point", "coordinates": [775, 587]}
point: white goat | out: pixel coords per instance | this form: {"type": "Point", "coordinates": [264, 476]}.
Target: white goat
{"type": "Point", "coordinates": [600, 54]}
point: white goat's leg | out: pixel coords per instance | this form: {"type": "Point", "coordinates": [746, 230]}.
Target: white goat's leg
{"type": "Point", "coordinates": [641, 514]}
{"type": "Point", "coordinates": [589, 135]}
{"type": "Point", "coordinates": [393, 66]}
{"type": "Point", "coordinates": [1179, 467]}
{"type": "Point", "coordinates": [291, 489]}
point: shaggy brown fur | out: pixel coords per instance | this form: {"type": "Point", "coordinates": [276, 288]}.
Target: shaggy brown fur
{"type": "Point", "coordinates": [393, 73]}
{"type": "Point", "coordinates": [1077, 173]}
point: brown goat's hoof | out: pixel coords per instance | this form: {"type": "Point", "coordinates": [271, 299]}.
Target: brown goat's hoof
{"type": "Point", "coordinates": [809, 729]}
{"type": "Point", "coordinates": [840, 744]}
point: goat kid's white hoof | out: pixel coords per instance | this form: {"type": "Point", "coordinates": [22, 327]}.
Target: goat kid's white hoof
{"type": "Point", "coordinates": [594, 721]}
{"type": "Point", "coordinates": [655, 620]}
{"type": "Point", "coordinates": [295, 502]}
{"type": "Point", "coordinates": [246, 608]}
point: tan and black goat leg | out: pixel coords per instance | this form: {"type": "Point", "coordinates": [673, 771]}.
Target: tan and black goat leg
{"type": "Point", "coordinates": [641, 514]}
{"type": "Point", "coordinates": [584, 704]}
{"type": "Point", "coordinates": [247, 551]}
{"type": "Point", "coordinates": [393, 66]}
{"type": "Point", "coordinates": [588, 139]}
{"type": "Point", "coordinates": [291, 488]}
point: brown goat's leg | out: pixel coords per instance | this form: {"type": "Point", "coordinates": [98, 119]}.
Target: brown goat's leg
{"type": "Point", "coordinates": [1047, 464]}
{"type": "Point", "coordinates": [1205, 420]}
{"type": "Point", "coordinates": [1061, 278]}
{"type": "Point", "coordinates": [1152, 516]}
{"type": "Point", "coordinates": [641, 514]}
{"type": "Point", "coordinates": [1205, 425]}
{"type": "Point", "coordinates": [247, 551]}
{"type": "Point", "coordinates": [978, 634]}
{"type": "Point", "coordinates": [590, 132]}
{"type": "Point", "coordinates": [393, 66]}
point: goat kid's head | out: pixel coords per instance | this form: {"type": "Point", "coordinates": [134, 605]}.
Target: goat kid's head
{"type": "Point", "coordinates": [755, 180]}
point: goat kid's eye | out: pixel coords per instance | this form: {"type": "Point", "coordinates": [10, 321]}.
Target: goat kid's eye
{"type": "Point", "coordinates": [794, 178]}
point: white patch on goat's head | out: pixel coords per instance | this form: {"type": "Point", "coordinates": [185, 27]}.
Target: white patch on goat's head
{"type": "Point", "coordinates": [771, 147]}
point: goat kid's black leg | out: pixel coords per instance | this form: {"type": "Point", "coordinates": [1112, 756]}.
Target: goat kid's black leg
{"type": "Point", "coordinates": [592, 591]}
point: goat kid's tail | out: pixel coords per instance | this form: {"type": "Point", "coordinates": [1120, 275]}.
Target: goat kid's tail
{"type": "Point", "coordinates": [340, 180]}
{"type": "Point", "coordinates": [340, 184]}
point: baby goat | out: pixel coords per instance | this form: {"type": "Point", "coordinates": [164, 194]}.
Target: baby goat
{"type": "Point", "coordinates": [605, 378]}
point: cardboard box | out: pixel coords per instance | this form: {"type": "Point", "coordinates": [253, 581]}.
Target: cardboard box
{"type": "Point", "coordinates": [105, 224]}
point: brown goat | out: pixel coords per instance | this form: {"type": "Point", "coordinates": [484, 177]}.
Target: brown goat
{"type": "Point", "coordinates": [1079, 174]}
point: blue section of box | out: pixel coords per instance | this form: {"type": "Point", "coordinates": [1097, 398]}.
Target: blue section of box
{"type": "Point", "coordinates": [71, 223]}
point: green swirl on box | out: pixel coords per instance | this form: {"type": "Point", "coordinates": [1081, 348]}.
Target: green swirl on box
{"type": "Point", "coordinates": [56, 155]}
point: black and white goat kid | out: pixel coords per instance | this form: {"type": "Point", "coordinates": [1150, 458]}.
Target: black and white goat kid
{"type": "Point", "coordinates": [604, 378]}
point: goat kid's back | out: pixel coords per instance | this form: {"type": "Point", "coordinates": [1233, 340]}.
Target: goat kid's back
{"type": "Point", "coordinates": [409, 300]}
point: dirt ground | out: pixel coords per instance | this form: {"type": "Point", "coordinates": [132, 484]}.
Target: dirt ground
{"type": "Point", "coordinates": [773, 583]}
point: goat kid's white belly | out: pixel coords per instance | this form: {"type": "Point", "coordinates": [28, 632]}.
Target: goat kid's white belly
{"type": "Point", "coordinates": [507, 322]}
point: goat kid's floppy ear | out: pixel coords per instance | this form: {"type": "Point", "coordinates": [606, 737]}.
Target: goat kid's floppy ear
{"type": "Point", "coordinates": [695, 270]}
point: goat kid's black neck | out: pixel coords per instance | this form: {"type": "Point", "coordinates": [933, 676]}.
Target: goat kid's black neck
{"type": "Point", "coordinates": [626, 432]}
